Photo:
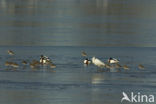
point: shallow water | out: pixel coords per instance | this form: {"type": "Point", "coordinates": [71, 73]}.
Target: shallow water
{"type": "Point", "coordinates": [73, 82]}
{"type": "Point", "coordinates": [62, 23]}
{"type": "Point", "coordinates": [78, 22]}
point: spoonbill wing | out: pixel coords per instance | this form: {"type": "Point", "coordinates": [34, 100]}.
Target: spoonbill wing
{"type": "Point", "coordinates": [98, 62]}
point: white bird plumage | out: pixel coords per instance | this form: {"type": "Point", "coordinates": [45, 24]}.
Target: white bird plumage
{"type": "Point", "coordinates": [44, 59]}
{"type": "Point", "coordinates": [113, 60]}
{"type": "Point", "coordinates": [87, 61]}
{"type": "Point", "coordinates": [98, 62]}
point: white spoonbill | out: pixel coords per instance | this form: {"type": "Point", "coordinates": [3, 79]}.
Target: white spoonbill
{"type": "Point", "coordinates": [98, 62]}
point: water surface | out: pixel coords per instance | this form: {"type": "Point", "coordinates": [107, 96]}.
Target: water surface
{"type": "Point", "coordinates": [78, 22]}
{"type": "Point", "coordinates": [73, 82]}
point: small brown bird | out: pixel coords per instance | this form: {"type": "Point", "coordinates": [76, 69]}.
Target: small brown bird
{"type": "Point", "coordinates": [15, 65]}
{"type": "Point", "coordinates": [7, 63]}
{"type": "Point", "coordinates": [12, 64]}
{"type": "Point", "coordinates": [10, 52]}
{"type": "Point", "coordinates": [24, 62]}
{"type": "Point", "coordinates": [83, 53]}
{"type": "Point", "coordinates": [125, 67]}
{"type": "Point", "coordinates": [34, 64]}
{"type": "Point", "coordinates": [107, 66]}
{"type": "Point", "coordinates": [141, 66]}
{"type": "Point", "coordinates": [48, 62]}
{"type": "Point", "coordinates": [118, 65]}
{"type": "Point", "coordinates": [52, 65]}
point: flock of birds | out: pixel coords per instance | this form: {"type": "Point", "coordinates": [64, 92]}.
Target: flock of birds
{"type": "Point", "coordinates": [46, 61]}
{"type": "Point", "coordinates": [112, 63]}
{"type": "Point", "coordinates": [34, 64]}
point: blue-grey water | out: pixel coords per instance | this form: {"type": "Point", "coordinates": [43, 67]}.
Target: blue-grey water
{"type": "Point", "coordinates": [71, 82]}
{"type": "Point", "coordinates": [78, 22]}
{"type": "Point", "coordinates": [61, 29]}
